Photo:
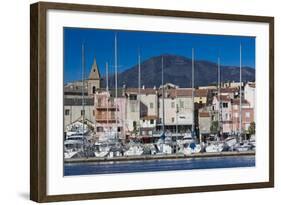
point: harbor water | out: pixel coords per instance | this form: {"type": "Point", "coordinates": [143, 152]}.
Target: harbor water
{"type": "Point", "coordinates": [91, 168]}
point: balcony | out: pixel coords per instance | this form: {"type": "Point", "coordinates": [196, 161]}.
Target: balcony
{"type": "Point", "coordinates": [102, 119]}
{"type": "Point", "coordinates": [105, 106]}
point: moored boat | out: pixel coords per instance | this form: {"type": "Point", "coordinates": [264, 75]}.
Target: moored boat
{"type": "Point", "coordinates": [214, 147]}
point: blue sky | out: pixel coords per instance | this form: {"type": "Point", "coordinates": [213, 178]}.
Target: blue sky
{"type": "Point", "coordinates": [100, 44]}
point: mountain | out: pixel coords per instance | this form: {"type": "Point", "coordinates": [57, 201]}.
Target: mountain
{"type": "Point", "coordinates": [177, 70]}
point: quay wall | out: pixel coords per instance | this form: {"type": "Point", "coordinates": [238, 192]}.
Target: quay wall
{"type": "Point", "coordinates": [157, 157]}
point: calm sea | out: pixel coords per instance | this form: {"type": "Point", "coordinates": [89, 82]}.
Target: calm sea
{"type": "Point", "coordinates": [157, 165]}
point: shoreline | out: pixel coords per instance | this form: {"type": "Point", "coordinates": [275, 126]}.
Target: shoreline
{"type": "Point", "coordinates": [158, 157]}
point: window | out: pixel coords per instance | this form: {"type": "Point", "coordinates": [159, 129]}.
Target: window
{"type": "Point", "coordinates": [94, 89]}
{"type": "Point", "coordinates": [99, 129]}
{"type": "Point", "coordinates": [225, 105]}
{"type": "Point", "coordinates": [181, 104]}
{"type": "Point", "coordinates": [226, 116]}
{"type": "Point", "coordinates": [151, 105]}
{"type": "Point", "coordinates": [112, 115]}
{"type": "Point", "coordinates": [133, 97]}
{"type": "Point", "coordinates": [82, 112]}
{"type": "Point", "coordinates": [151, 122]}
{"type": "Point", "coordinates": [93, 112]}
{"type": "Point", "coordinates": [247, 114]}
{"type": "Point", "coordinates": [66, 112]}
{"type": "Point", "coordinates": [99, 102]}
{"type": "Point", "coordinates": [173, 105]}
{"type": "Point", "coordinates": [173, 119]}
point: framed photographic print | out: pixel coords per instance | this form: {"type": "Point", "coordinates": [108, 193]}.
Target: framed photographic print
{"type": "Point", "coordinates": [135, 102]}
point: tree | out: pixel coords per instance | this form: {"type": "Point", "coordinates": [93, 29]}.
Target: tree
{"type": "Point", "coordinates": [214, 127]}
{"type": "Point", "coordinates": [252, 128]}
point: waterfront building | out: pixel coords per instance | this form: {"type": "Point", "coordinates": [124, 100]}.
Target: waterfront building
{"type": "Point", "coordinates": [208, 87]}
{"type": "Point", "coordinates": [205, 122]}
{"type": "Point", "coordinates": [232, 84]}
{"type": "Point", "coordinates": [142, 109]}
{"type": "Point", "coordinates": [232, 92]}
{"type": "Point", "coordinates": [77, 92]}
{"type": "Point", "coordinates": [247, 113]}
{"type": "Point", "coordinates": [249, 93]}
{"type": "Point", "coordinates": [202, 96]}
{"type": "Point", "coordinates": [73, 110]}
{"type": "Point", "coordinates": [178, 110]}
{"type": "Point", "coordinates": [222, 107]}
{"type": "Point", "coordinates": [110, 112]}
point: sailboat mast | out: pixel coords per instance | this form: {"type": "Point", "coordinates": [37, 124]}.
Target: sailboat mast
{"type": "Point", "coordinates": [177, 114]}
{"type": "Point", "coordinates": [163, 114]}
{"type": "Point", "coordinates": [115, 58]}
{"type": "Point", "coordinates": [219, 97]}
{"type": "Point", "coordinates": [83, 85]}
{"type": "Point", "coordinates": [240, 93]}
{"type": "Point", "coordinates": [106, 70]}
{"type": "Point", "coordinates": [139, 84]}
{"type": "Point", "coordinates": [192, 74]}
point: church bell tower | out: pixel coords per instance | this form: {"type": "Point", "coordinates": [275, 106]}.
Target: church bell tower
{"type": "Point", "coordinates": [94, 79]}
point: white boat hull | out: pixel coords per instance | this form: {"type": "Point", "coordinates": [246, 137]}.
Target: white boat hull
{"type": "Point", "coordinates": [212, 148]}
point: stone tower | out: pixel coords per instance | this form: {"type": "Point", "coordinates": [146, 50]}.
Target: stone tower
{"type": "Point", "coordinates": [94, 79]}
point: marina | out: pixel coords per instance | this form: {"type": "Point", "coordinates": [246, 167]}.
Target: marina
{"type": "Point", "coordinates": [119, 127]}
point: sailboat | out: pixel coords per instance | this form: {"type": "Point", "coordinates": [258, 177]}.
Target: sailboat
{"type": "Point", "coordinates": [164, 142]}
{"type": "Point", "coordinates": [136, 149]}
{"type": "Point", "coordinates": [190, 146]}
{"type": "Point", "coordinates": [242, 145]}
{"type": "Point", "coordinates": [217, 146]}
{"type": "Point", "coordinates": [76, 142]}
{"type": "Point", "coordinates": [110, 140]}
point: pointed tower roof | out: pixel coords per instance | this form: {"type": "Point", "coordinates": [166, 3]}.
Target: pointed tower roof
{"type": "Point", "coordinates": [95, 73]}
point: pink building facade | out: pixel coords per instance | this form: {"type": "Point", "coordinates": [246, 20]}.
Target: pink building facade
{"type": "Point", "coordinates": [110, 114]}
{"type": "Point", "coordinates": [247, 113]}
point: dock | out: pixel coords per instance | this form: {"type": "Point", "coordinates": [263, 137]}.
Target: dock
{"type": "Point", "coordinates": [157, 157]}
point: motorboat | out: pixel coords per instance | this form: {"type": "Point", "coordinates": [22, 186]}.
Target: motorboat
{"type": "Point", "coordinates": [68, 154]}
{"type": "Point", "coordinates": [243, 147]}
{"type": "Point", "coordinates": [231, 141]}
{"type": "Point", "coordinates": [187, 138]}
{"type": "Point", "coordinates": [192, 148]}
{"type": "Point", "coordinates": [134, 150]}
{"type": "Point", "coordinates": [74, 146]}
{"type": "Point", "coordinates": [102, 151]}
{"type": "Point", "coordinates": [76, 128]}
{"type": "Point", "coordinates": [214, 147]}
